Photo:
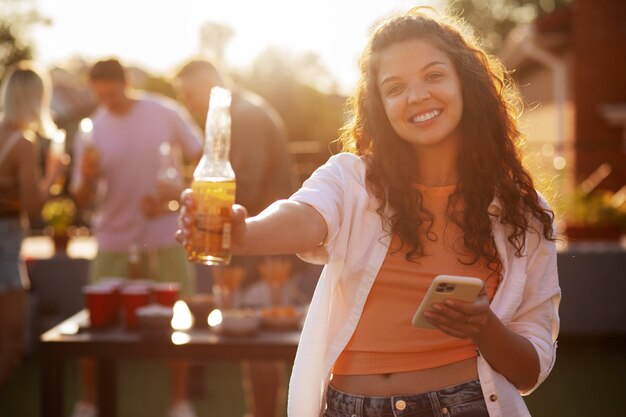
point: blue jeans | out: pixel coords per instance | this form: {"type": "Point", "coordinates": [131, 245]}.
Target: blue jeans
{"type": "Point", "coordinates": [463, 400]}
{"type": "Point", "coordinates": [12, 269]}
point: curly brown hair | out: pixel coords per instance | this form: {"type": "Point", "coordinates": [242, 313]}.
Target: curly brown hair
{"type": "Point", "coordinates": [489, 164]}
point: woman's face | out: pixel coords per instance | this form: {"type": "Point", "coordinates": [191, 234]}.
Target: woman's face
{"type": "Point", "coordinates": [421, 93]}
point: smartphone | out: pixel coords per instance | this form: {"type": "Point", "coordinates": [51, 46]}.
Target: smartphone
{"type": "Point", "coordinates": [446, 286]}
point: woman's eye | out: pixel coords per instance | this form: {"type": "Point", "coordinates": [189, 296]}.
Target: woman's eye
{"type": "Point", "coordinates": [433, 76]}
{"type": "Point", "coordinates": [394, 90]}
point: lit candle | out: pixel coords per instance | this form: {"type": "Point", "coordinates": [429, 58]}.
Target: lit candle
{"type": "Point", "coordinates": [215, 318]}
{"type": "Point", "coordinates": [86, 125]}
{"type": "Point", "coordinates": [182, 318]}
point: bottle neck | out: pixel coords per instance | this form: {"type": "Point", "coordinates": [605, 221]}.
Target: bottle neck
{"type": "Point", "coordinates": [217, 134]}
{"type": "Point", "coordinates": [215, 161]}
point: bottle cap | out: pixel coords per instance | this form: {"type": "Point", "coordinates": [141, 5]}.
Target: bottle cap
{"type": "Point", "coordinates": [220, 97]}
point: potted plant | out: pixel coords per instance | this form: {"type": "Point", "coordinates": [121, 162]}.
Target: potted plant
{"type": "Point", "coordinates": [59, 213]}
{"type": "Point", "coordinates": [598, 215]}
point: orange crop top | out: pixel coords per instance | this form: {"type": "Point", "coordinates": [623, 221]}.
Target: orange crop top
{"type": "Point", "coordinates": [384, 340]}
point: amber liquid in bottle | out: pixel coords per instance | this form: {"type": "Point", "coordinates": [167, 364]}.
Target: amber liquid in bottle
{"type": "Point", "coordinates": [210, 242]}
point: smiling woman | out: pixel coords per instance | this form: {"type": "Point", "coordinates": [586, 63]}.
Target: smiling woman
{"type": "Point", "coordinates": [430, 183]}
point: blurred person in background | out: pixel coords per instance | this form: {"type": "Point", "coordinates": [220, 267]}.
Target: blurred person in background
{"type": "Point", "coordinates": [26, 94]}
{"type": "Point", "coordinates": [117, 171]}
{"type": "Point", "coordinates": [260, 158]}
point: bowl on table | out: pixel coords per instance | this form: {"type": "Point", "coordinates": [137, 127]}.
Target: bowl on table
{"type": "Point", "coordinates": [200, 306]}
{"type": "Point", "coordinates": [155, 319]}
{"type": "Point", "coordinates": [239, 322]}
{"type": "Point", "coordinates": [282, 317]}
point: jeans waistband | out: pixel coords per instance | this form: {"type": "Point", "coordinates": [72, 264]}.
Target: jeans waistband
{"type": "Point", "coordinates": [402, 404]}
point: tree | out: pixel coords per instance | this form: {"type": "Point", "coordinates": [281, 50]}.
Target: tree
{"type": "Point", "coordinates": [292, 84]}
{"type": "Point", "coordinates": [213, 39]}
{"type": "Point", "coordinates": [159, 84]}
{"type": "Point", "coordinates": [17, 17]}
{"type": "Point", "coordinates": [494, 19]}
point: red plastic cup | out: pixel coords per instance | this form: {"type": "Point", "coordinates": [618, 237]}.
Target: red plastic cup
{"type": "Point", "coordinates": [116, 284]}
{"type": "Point", "coordinates": [166, 293]}
{"type": "Point", "coordinates": [101, 304]}
{"type": "Point", "coordinates": [134, 297]}
{"type": "Point", "coordinates": [115, 281]}
{"type": "Point", "coordinates": [142, 283]}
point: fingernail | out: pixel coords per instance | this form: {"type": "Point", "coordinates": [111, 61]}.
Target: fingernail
{"type": "Point", "coordinates": [436, 307]}
{"type": "Point", "coordinates": [449, 302]}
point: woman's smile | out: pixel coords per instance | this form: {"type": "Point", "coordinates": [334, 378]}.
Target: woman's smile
{"type": "Point", "coordinates": [425, 117]}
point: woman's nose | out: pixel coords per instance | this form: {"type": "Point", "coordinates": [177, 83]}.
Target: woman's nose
{"type": "Point", "coordinates": [418, 93]}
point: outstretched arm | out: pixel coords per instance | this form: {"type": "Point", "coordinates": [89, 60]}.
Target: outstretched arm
{"type": "Point", "coordinates": [283, 227]}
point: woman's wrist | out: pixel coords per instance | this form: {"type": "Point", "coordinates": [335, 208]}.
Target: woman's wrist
{"type": "Point", "coordinates": [492, 326]}
{"type": "Point", "coordinates": [508, 353]}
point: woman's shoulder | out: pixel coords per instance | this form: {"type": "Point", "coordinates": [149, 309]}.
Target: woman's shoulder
{"type": "Point", "coordinates": [347, 160]}
{"type": "Point", "coordinates": [498, 205]}
{"type": "Point", "coordinates": [543, 201]}
{"type": "Point", "coordinates": [20, 141]}
{"type": "Point", "coordinates": [347, 165]}
{"type": "Point", "coordinates": [26, 145]}
{"type": "Point", "coordinates": [17, 149]}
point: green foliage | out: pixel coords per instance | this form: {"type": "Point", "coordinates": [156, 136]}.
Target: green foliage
{"type": "Point", "coordinates": [596, 209]}
{"type": "Point", "coordinates": [17, 17]}
{"type": "Point", "coordinates": [59, 213]}
{"type": "Point", "coordinates": [11, 49]}
{"type": "Point", "coordinates": [494, 19]}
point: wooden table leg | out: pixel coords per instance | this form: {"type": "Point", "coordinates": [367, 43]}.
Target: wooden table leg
{"type": "Point", "coordinates": [51, 382]}
{"type": "Point", "coordinates": [107, 388]}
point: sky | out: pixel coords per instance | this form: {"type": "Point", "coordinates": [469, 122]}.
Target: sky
{"type": "Point", "coordinates": [159, 35]}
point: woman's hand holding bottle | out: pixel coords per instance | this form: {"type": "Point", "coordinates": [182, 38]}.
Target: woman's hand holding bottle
{"type": "Point", "coordinates": [238, 216]}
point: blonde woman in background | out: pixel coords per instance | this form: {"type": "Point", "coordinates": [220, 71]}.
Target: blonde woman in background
{"type": "Point", "coordinates": [24, 188]}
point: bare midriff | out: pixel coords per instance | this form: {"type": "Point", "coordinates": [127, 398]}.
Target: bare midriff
{"type": "Point", "coordinates": [412, 382]}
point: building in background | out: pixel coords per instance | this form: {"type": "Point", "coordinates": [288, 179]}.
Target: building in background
{"type": "Point", "coordinates": [570, 66]}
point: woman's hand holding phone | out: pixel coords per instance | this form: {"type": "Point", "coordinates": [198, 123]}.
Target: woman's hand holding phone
{"type": "Point", "coordinates": [461, 310]}
{"type": "Point", "coordinates": [459, 318]}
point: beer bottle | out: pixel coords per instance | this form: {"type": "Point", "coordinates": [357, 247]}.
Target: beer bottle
{"type": "Point", "coordinates": [168, 177]}
{"type": "Point", "coordinates": [213, 187]}
{"type": "Point", "coordinates": [134, 269]}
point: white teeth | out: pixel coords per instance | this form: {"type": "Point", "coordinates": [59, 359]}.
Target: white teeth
{"type": "Point", "coordinates": [426, 116]}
